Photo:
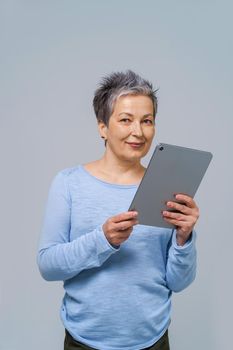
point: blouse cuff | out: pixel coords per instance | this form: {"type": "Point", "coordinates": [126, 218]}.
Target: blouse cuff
{"type": "Point", "coordinates": [188, 244]}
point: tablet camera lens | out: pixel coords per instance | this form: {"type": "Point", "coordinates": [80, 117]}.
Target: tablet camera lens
{"type": "Point", "coordinates": [161, 148]}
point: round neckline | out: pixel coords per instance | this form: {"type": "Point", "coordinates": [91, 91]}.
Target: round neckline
{"type": "Point", "coordinates": [106, 182]}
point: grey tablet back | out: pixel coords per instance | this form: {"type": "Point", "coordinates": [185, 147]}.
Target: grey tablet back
{"type": "Point", "coordinates": [171, 170]}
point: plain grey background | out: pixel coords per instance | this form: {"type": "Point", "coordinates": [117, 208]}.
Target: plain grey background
{"type": "Point", "coordinates": [53, 53]}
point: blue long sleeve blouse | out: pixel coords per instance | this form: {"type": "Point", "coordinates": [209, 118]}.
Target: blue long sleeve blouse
{"type": "Point", "coordinates": [115, 297]}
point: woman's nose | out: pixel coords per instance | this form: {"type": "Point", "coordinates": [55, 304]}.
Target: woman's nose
{"type": "Point", "coordinates": [136, 129]}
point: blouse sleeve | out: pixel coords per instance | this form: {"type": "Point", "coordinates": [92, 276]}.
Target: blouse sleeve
{"type": "Point", "coordinates": [58, 258]}
{"type": "Point", "coordinates": [181, 263]}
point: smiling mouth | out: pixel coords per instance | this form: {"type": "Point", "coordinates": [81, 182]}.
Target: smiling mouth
{"type": "Point", "coordinates": [136, 144]}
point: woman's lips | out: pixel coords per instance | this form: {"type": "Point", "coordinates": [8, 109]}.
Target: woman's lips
{"type": "Point", "coordinates": [135, 145]}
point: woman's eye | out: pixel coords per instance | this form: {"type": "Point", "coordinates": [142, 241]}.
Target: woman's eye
{"type": "Point", "coordinates": [148, 121]}
{"type": "Point", "coordinates": [125, 120]}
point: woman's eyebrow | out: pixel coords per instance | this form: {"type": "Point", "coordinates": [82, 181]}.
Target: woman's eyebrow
{"type": "Point", "coordinates": [131, 115]}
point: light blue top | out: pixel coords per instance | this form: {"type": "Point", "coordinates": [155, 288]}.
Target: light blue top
{"type": "Point", "coordinates": [115, 298]}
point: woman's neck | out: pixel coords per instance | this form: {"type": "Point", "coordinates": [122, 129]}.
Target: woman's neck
{"type": "Point", "coordinates": [120, 167]}
{"type": "Point", "coordinates": [120, 170]}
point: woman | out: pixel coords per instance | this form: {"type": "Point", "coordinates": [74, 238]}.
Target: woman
{"type": "Point", "coordinates": [118, 275]}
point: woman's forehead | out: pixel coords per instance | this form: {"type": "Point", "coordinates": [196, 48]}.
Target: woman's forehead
{"type": "Point", "coordinates": [133, 103]}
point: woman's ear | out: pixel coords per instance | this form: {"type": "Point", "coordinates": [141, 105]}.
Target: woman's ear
{"type": "Point", "coordinates": [102, 129]}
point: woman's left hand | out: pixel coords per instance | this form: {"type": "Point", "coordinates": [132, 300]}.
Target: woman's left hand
{"type": "Point", "coordinates": [185, 219]}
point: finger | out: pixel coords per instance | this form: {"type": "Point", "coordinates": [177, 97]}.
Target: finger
{"type": "Point", "coordinates": [183, 208]}
{"type": "Point", "coordinates": [186, 199]}
{"type": "Point", "coordinates": [128, 215]}
{"type": "Point", "coordinates": [175, 222]}
{"type": "Point", "coordinates": [176, 216]}
{"type": "Point", "coordinates": [172, 221]}
{"type": "Point", "coordinates": [125, 225]}
{"type": "Point", "coordinates": [124, 233]}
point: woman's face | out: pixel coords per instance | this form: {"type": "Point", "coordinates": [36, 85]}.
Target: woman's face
{"type": "Point", "coordinates": [131, 127]}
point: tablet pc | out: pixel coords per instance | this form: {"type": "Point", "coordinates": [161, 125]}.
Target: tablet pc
{"type": "Point", "coordinates": [172, 169]}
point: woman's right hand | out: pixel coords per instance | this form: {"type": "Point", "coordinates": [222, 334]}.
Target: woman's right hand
{"type": "Point", "coordinates": [117, 229]}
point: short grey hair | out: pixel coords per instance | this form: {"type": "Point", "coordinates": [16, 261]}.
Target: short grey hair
{"type": "Point", "coordinates": [119, 84]}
